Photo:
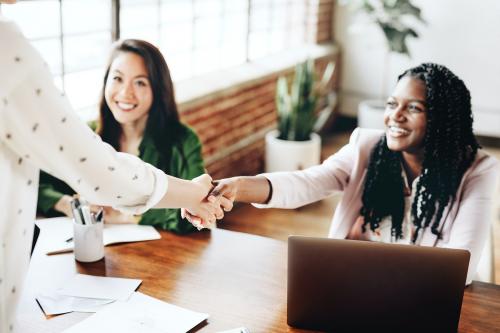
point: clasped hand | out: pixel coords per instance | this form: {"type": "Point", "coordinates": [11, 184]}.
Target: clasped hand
{"type": "Point", "coordinates": [219, 199]}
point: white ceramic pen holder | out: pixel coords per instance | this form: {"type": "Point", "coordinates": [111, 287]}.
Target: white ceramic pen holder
{"type": "Point", "coordinates": [88, 243]}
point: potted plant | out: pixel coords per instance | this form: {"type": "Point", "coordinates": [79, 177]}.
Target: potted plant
{"type": "Point", "coordinates": [294, 145]}
{"type": "Point", "coordinates": [391, 16]}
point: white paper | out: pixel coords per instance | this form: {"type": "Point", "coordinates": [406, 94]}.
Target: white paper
{"type": "Point", "coordinates": [121, 233]}
{"type": "Point", "coordinates": [237, 330]}
{"type": "Point", "coordinates": [62, 228]}
{"type": "Point", "coordinates": [140, 314]}
{"type": "Point", "coordinates": [99, 287]}
{"type": "Point", "coordinates": [55, 303]}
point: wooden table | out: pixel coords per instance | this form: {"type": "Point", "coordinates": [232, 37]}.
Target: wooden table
{"type": "Point", "coordinates": [239, 279]}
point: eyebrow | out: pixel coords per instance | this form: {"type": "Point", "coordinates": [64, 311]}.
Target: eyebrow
{"type": "Point", "coordinates": [412, 100]}
{"type": "Point", "coordinates": [137, 77]}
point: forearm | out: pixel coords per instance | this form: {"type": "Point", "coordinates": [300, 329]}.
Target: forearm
{"type": "Point", "coordinates": [181, 193]}
{"type": "Point", "coordinates": [254, 189]}
{"type": "Point", "coordinates": [64, 205]}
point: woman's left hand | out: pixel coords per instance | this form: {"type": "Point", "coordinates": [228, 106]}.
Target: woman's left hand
{"type": "Point", "coordinates": [113, 216]}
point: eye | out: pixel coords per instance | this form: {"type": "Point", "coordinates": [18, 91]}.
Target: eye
{"type": "Point", "coordinates": [141, 83]}
{"type": "Point", "coordinates": [391, 104]}
{"type": "Point", "coordinates": [117, 79]}
{"type": "Point", "coordinates": [414, 109]}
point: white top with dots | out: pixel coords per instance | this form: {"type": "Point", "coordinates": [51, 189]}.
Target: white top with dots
{"type": "Point", "coordinates": [39, 130]}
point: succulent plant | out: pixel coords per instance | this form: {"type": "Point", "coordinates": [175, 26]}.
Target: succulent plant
{"type": "Point", "coordinates": [296, 108]}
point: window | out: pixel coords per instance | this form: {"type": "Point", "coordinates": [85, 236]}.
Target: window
{"type": "Point", "coordinates": [195, 36]}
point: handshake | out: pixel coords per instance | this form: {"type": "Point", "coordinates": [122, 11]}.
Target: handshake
{"type": "Point", "coordinates": [218, 197]}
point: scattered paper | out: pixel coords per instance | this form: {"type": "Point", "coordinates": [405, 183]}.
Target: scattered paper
{"type": "Point", "coordinates": [141, 313]}
{"type": "Point", "coordinates": [99, 287]}
{"type": "Point", "coordinates": [53, 304]}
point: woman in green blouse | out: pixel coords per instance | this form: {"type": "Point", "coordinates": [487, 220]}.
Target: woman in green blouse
{"type": "Point", "coordinates": [137, 115]}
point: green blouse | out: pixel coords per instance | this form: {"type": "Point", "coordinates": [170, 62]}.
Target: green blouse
{"type": "Point", "coordinates": [186, 162]}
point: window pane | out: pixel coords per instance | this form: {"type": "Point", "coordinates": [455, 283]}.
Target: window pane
{"type": "Point", "coordinates": [85, 52]}
{"type": "Point", "coordinates": [208, 32]}
{"type": "Point", "coordinates": [76, 14]}
{"type": "Point", "coordinates": [174, 11]}
{"type": "Point", "coordinates": [235, 28]}
{"type": "Point", "coordinates": [139, 14]}
{"type": "Point", "coordinates": [258, 44]}
{"type": "Point", "coordinates": [260, 18]}
{"type": "Point", "coordinates": [50, 49]}
{"type": "Point", "coordinates": [207, 8]}
{"type": "Point", "coordinates": [206, 60]}
{"type": "Point", "coordinates": [83, 88]}
{"type": "Point", "coordinates": [37, 19]}
{"type": "Point", "coordinates": [236, 6]}
{"type": "Point", "coordinates": [150, 34]}
{"type": "Point", "coordinates": [180, 65]}
{"type": "Point", "coordinates": [177, 37]}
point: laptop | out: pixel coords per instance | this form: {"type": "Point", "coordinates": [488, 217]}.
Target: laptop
{"type": "Point", "coordinates": [358, 286]}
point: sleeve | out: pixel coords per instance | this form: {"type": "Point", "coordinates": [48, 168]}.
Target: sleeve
{"type": "Point", "coordinates": [189, 167]}
{"type": "Point", "coordinates": [38, 124]}
{"type": "Point", "coordinates": [51, 189]}
{"type": "Point", "coordinates": [297, 188]}
{"type": "Point", "coordinates": [473, 221]}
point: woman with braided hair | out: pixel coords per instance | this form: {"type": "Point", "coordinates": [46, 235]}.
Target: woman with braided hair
{"type": "Point", "coordinates": [422, 181]}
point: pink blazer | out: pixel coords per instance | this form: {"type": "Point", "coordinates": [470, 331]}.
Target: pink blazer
{"type": "Point", "coordinates": [465, 224]}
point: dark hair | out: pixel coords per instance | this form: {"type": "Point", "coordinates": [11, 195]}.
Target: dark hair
{"type": "Point", "coordinates": [450, 147]}
{"type": "Point", "coordinates": [163, 122]}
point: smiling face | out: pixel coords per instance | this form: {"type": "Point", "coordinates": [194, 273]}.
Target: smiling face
{"type": "Point", "coordinates": [128, 91]}
{"type": "Point", "coordinates": [405, 117]}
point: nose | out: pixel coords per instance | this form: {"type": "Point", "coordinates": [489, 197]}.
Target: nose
{"type": "Point", "coordinates": [397, 114]}
{"type": "Point", "coordinates": [126, 90]}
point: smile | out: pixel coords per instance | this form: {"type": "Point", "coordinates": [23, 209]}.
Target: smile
{"type": "Point", "coordinates": [126, 106]}
{"type": "Point", "coordinates": [398, 131]}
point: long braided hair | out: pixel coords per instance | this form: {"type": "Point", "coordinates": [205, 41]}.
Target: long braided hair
{"type": "Point", "coordinates": [450, 147]}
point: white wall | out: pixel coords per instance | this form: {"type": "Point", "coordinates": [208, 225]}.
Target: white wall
{"type": "Point", "coordinates": [463, 35]}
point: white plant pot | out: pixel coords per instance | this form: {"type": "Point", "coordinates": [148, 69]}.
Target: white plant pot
{"type": "Point", "coordinates": [371, 114]}
{"type": "Point", "coordinates": [284, 155]}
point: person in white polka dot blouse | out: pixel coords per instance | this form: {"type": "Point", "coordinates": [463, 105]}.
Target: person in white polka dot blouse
{"type": "Point", "coordinates": [39, 130]}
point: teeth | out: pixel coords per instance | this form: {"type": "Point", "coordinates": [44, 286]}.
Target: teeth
{"type": "Point", "coordinates": [125, 106]}
{"type": "Point", "coordinates": [398, 130]}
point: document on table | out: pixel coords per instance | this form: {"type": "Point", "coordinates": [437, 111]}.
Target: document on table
{"type": "Point", "coordinates": [141, 313]}
{"type": "Point", "coordinates": [99, 287]}
{"type": "Point", "coordinates": [54, 303]}
{"type": "Point", "coordinates": [62, 228]}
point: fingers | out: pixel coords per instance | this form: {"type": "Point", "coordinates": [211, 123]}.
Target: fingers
{"type": "Point", "coordinates": [218, 190]}
{"type": "Point", "coordinates": [226, 204]}
{"type": "Point", "coordinates": [219, 214]}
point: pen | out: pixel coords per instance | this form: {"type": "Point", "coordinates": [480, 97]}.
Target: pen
{"type": "Point", "coordinates": [75, 209]}
{"type": "Point", "coordinates": [85, 211]}
{"type": "Point", "coordinates": [99, 216]}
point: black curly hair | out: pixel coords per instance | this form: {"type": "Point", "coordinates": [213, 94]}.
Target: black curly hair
{"type": "Point", "coordinates": [450, 147]}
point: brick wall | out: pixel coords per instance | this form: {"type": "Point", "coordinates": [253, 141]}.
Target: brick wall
{"type": "Point", "coordinates": [232, 124]}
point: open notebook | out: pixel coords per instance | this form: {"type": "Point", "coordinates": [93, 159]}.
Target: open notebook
{"type": "Point", "coordinates": [62, 229]}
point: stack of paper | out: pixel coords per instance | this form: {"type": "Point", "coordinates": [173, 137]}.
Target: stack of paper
{"type": "Point", "coordinates": [141, 313]}
{"type": "Point", "coordinates": [87, 293]}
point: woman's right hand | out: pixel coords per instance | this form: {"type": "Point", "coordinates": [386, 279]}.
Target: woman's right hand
{"type": "Point", "coordinates": [222, 196]}
{"type": "Point", "coordinates": [204, 212]}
